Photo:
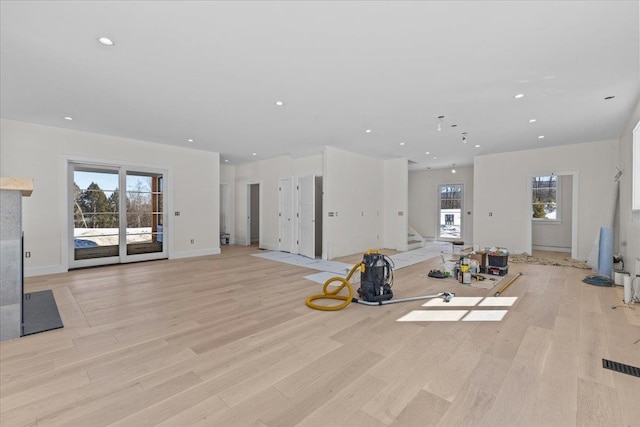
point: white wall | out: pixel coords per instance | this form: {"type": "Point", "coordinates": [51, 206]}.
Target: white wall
{"type": "Point", "coordinates": [629, 235]}
{"type": "Point", "coordinates": [556, 235]}
{"type": "Point", "coordinates": [501, 182]}
{"type": "Point", "coordinates": [268, 173]}
{"type": "Point", "coordinates": [40, 152]}
{"type": "Point", "coordinates": [354, 192]}
{"type": "Point", "coordinates": [423, 199]}
{"type": "Point", "coordinates": [396, 184]}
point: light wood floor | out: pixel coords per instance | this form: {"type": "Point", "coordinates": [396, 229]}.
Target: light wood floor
{"type": "Point", "coordinates": [227, 341]}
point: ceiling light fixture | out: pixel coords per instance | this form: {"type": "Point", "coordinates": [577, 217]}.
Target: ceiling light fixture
{"type": "Point", "coordinates": [402, 143]}
{"type": "Point", "coordinates": [541, 137]}
{"type": "Point", "coordinates": [439, 127]}
{"type": "Point", "coordinates": [435, 158]}
{"type": "Point", "coordinates": [427, 153]}
{"type": "Point", "coordinates": [477, 145]}
{"type": "Point", "coordinates": [532, 120]}
{"type": "Point", "coordinates": [518, 96]}
{"type": "Point", "coordinates": [368, 131]}
{"type": "Point", "coordinates": [453, 126]}
{"type": "Point", "coordinates": [609, 97]}
{"type": "Point", "coordinates": [106, 41]}
{"type": "Point", "coordinates": [279, 103]}
{"type": "Point", "coordinates": [254, 154]}
{"type": "Point", "coordinates": [453, 169]}
{"type": "Point", "coordinates": [226, 160]}
{"type": "Point", "coordinates": [68, 118]}
{"type": "Point", "coordinates": [189, 140]}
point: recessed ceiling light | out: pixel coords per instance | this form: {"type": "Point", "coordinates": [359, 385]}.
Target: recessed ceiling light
{"type": "Point", "coordinates": [68, 118]}
{"type": "Point", "coordinates": [190, 140]}
{"type": "Point", "coordinates": [402, 143]}
{"type": "Point", "coordinates": [106, 41]}
{"type": "Point", "coordinates": [541, 137]}
{"type": "Point", "coordinates": [427, 153]}
{"type": "Point", "coordinates": [254, 154]}
{"type": "Point", "coordinates": [532, 120]}
{"type": "Point", "coordinates": [435, 158]}
{"type": "Point", "coordinates": [518, 96]}
{"type": "Point", "coordinates": [226, 160]}
{"type": "Point", "coordinates": [368, 131]}
{"type": "Point", "coordinates": [477, 145]}
{"type": "Point", "coordinates": [279, 103]}
{"type": "Point", "coordinates": [609, 97]}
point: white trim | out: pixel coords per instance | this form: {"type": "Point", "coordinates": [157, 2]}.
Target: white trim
{"type": "Point", "coordinates": [551, 248]}
{"type": "Point", "coordinates": [574, 210]}
{"type": "Point", "coordinates": [463, 184]}
{"type": "Point", "coordinates": [67, 221]}
{"type": "Point", "coordinates": [44, 270]}
{"type": "Point", "coordinates": [199, 252]}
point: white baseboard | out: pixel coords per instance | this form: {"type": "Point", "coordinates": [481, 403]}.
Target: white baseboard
{"type": "Point", "coordinates": [550, 248]}
{"type": "Point", "coordinates": [190, 254]}
{"type": "Point", "coordinates": [270, 247]}
{"type": "Point", "coordinates": [43, 271]}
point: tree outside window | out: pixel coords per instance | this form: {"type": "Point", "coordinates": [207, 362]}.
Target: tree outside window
{"type": "Point", "coordinates": [545, 198]}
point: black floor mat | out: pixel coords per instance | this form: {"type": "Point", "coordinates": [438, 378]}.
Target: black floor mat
{"type": "Point", "coordinates": [40, 312]}
{"type": "Point", "coordinates": [621, 367]}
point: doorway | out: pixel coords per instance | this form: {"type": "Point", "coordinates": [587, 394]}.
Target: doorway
{"type": "Point", "coordinates": [285, 215]}
{"type": "Point", "coordinates": [450, 208]}
{"type": "Point", "coordinates": [552, 216]}
{"type": "Point", "coordinates": [109, 226]}
{"type": "Point", "coordinates": [225, 213]}
{"type": "Point", "coordinates": [253, 214]}
{"type": "Point", "coordinates": [310, 216]}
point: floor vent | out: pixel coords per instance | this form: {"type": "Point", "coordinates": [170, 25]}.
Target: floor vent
{"type": "Point", "coordinates": [621, 367]}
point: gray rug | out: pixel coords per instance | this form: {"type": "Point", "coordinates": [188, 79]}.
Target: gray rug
{"type": "Point", "coordinates": [40, 312]}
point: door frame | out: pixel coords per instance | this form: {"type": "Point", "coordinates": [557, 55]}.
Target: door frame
{"type": "Point", "coordinates": [574, 210]}
{"type": "Point", "coordinates": [462, 211]}
{"type": "Point", "coordinates": [291, 207]}
{"type": "Point", "coordinates": [66, 226]}
{"type": "Point", "coordinates": [247, 239]}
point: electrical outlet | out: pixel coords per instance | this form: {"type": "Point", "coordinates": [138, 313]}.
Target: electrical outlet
{"type": "Point", "coordinates": [177, 213]}
{"type": "Point", "coordinates": [27, 254]}
{"type": "Point", "coordinates": [192, 241]}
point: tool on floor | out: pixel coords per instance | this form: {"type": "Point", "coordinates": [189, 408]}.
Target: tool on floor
{"type": "Point", "coordinates": [376, 279]}
{"type": "Point", "coordinates": [502, 289]}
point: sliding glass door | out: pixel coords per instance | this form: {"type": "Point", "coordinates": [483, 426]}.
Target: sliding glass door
{"type": "Point", "coordinates": [110, 226]}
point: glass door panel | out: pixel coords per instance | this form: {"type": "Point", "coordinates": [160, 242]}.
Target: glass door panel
{"type": "Point", "coordinates": [450, 211]}
{"type": "Point", "coordinates": [144, 213]}
{"type": "Point", "coordinates": [109, 228]}
{"type": "Point", "coordinates": [96, 215]}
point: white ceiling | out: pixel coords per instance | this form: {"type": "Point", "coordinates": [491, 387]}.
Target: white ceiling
{"type": "Point", "coordinates": [212, 72]}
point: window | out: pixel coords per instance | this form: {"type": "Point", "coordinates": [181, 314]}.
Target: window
{"type": "Point", "coordinates": [545, 198]}
{"type": "Point", "coordinates": [450, 211]}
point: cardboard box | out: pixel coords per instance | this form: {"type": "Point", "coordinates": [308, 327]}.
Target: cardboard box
{"type": "Point", "coordinates": [481, 257]}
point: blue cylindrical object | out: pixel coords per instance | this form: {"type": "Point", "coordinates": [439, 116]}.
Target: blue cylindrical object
{"type": "Point", "coordinates": [605, 254]}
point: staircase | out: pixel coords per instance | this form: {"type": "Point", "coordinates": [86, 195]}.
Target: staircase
{"type": "Point", "coordinates": [414, 239]}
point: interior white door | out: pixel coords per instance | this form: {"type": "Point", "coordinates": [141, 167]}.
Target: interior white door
{"type": "Point", "coordinates": [306, 216]}
{"type": "Point", "coordinates": [285, 213]}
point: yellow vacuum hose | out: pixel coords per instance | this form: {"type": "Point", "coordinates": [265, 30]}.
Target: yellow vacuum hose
{"type": "Point", "coordinates": [327, 294]}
